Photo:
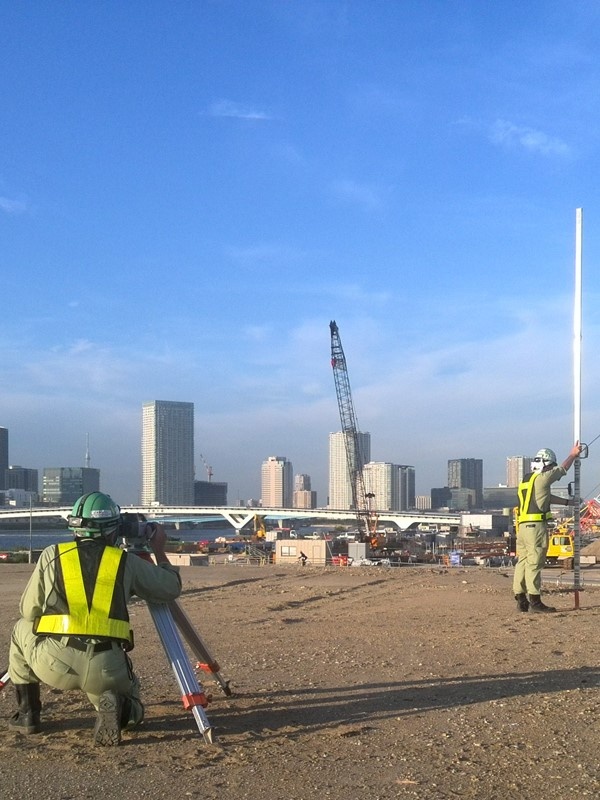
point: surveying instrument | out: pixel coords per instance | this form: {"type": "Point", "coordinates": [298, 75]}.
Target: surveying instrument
{"type": "Point", "coordinates": [170, 620]}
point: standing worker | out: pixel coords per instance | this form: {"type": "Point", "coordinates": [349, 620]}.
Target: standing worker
{"type": "Point", "coordinates": [535, 500]}
{"type": "Point", "coordinates": [74, 630]}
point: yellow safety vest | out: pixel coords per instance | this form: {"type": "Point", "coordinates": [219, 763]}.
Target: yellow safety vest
{"type": "Point", "coordinates": [528, 508]}
{"type": "Point", "coordinates": [71, 612]}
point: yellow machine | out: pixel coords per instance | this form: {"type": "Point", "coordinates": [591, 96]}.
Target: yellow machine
{"type": "Point", "coordinates": [260, 531]}
{"type": "Point", "coordinates": [560, 546]}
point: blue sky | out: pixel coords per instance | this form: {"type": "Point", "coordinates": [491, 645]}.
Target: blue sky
{"type": "Point", "coordinates": [190, 192]}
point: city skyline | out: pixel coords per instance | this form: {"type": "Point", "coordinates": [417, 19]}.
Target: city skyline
{"type": "Point", "coordinates": [455, 469]}
{"type": "Point", "coordinates": [188, 198]}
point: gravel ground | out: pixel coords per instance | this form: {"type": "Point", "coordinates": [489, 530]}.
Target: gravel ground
{"type": "Point", "coordinates": [347, 683]}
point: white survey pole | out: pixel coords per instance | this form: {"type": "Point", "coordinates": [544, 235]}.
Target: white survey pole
{"type": "Point", "coordinates": [577, 327]}
{"type": "Point", "coordinates": [577, 337]}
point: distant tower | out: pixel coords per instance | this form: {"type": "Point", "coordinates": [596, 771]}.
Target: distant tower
{"type": "Point", "coordinates": [467, 473]}
{"type": "Point", "coordinates": [62, 486]}
{"type": "Point", "coordinates": [301, 483]}
{"type": "Point", "coordinates": [3, 455]}
{"type": "Point", "coordinates": [392, 484]}
{"type": "Point", "coordinates": [276, 482]}
{"type": "Point", "coordinates": [167, 453]}
{"type": "Point", "coordinates": [516, 468]}
{"type": "Point", "coordinates": [210, 493]}
{"type": "Point", "coordinates": [340, 489]}
{"type": "Point", "coordinates": [382, 481]}
{"type": "Point", "coordinates": [407, 487]}
{"type": "Point", "coordinates": [304, 496]}
{"type": "Point", "coordinates": [88, 460]}
{"type": "Point", "coordinates": [16, 477]}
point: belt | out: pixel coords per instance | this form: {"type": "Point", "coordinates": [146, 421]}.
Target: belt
{"type": "Point", "coordinates": [81, 644]}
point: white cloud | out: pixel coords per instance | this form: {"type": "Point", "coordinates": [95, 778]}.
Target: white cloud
{"type": "Point", "coordinates": [229, 108]}
{"type": "Point", "coordinates": [256, 333]}
{"type": "Point", "coordinates": [9, 206]}
{"type": "Point", "coordinates": [361, 194]}
{"type": "Point", "coordinates": [461, 392]}
{"type": "Point", "coordinates": [508, 134]}
{"type": "Point", "coordinates": [354, 293]}
{"type": "Point", "coordinates": [264, 253]}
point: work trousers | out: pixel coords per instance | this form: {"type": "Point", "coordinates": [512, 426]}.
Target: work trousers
{"type": "Point", "coordinates": [35, 658]}
{"type": "Point", "coordinates": [532, 546]}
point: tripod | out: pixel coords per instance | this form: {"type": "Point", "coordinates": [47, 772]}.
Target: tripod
{"type": "Point", "coordinates": [169, 620]}
{"type": "Point", "coordinates": [192, 693]}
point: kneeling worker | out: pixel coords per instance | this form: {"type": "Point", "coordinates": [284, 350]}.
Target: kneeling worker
{"type": "Point", "coordinates": [535, 499]}
{"type": "Point", "coordinates": [74, 629]}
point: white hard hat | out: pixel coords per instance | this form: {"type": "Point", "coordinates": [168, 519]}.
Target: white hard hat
{"type": "Point", "coordinates": [543, 458]}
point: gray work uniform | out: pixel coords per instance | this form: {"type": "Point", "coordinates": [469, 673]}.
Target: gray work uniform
{"type": "Point", "coordinates": [99, 666]}
{"type": "Point", "coordinates": [532, 537]}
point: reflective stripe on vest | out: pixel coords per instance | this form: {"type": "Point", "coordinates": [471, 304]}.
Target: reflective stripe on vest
{"type": "Point", "coordinates": [83, 619]}
{"type": "Point", "coordinates": [526, 499]}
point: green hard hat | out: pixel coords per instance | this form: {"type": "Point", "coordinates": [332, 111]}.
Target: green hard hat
{"type": "Point", "coordinates": [94, 514]}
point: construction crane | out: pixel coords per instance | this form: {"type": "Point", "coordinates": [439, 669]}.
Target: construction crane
{"type": "Point", "coordinates": [367, 521]}
{"type": "Point", "coordinates": [209, 470]}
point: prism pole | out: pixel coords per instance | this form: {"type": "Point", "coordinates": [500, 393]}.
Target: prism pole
{"type": "Point", "coordinates": [577, 405]}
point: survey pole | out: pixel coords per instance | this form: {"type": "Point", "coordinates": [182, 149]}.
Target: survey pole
{"type": "Point", "coordinates": [577, 337]}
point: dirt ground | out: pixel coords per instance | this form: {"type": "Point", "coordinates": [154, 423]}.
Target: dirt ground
{"type": "Point", "coordinates": [347, 683]}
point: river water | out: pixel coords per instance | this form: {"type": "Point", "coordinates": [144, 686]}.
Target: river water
{"type": "Point", "coordinates": [39, 539]}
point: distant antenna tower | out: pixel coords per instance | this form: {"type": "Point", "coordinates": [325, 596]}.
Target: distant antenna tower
{"type": "Point", "coordinates": [87, 450]}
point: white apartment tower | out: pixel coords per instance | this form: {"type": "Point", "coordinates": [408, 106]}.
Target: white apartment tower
{"type": "Point", "coordinates": [383, 481]}
{"type": "Point", "coordinates": [392, 484]}
{"type": "Point", "coordinates": [516, 468]}
{"type": "Point", "coordinates": [167, 453]}
{"type": "Point", "coordinates": [276, 482]}
{"type": "Point", "coordinates": [340, 488]}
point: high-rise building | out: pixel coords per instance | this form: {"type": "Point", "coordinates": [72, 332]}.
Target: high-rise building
{"type": "Point", "coordinates": [3, 455]}
{"type": "Point", "coordinates": [210, 493]}
{"type": "Point", "coordinates": [21, 478]}
{"type": "Point", "coordinates": [302, 483]}
{"type": "Point", "coordinates": [382, 480]}
{"type": "Point", "coordinates": [276, 482]}
{"type": "Point", "coordinates": [407, 487]}
{"type": "Point", "coordinates": [62, 486]}
{"type": "Point", "coordinates": [392, 484]}
{"type": "Point", "coordinates": [462, 499]}
{"type": "Point", "coordinates": [440, 497]}
{"type": "Point", "coordinates": [516, 468]}
{"type": "Point", "coordinates": [167, 453]}
{"type": "Point", "coordinates": [340, 487]}
{"type": "Point", "coordinates": [467, 473]}
{"type": "Point", "coordinates": [304, 497]}
{"type": "Point", "coordinates": [17, 498]}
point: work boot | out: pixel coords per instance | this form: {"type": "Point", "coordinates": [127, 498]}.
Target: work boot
{"type": "Point", "coordinates": [522, 602]}
{"type": "Point", "coordinates": [536, 605]}
{"type": "Point", "coordinates": [132, 714]}
{"type": "Point", "coordinates": [107, 730]}
{"type": "Point", "coordinates": [27, 718]}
